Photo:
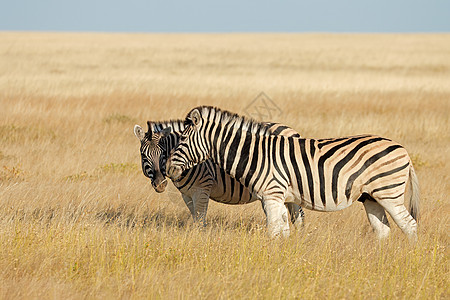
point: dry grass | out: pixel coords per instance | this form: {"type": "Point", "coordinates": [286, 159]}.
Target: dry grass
{"type": "Point", "coordinates": [79, 220]}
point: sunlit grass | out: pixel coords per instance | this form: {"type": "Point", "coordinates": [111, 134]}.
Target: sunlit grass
{"type": "Point", "coordinates": [78, 219]}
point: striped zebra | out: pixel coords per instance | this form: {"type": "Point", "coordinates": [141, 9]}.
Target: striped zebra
{"type": "Point", "coordinates": [323, 175]}
{"type": "Point", "coordinates": [202, 182]}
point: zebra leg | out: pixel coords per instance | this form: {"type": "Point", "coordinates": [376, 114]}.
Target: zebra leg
{"type": "Point", "coordinates": [201, 200]}
{"type": "Point", "coordinates": [377, 218]}
{"type": "Point", "coordinates": [277, 218]}
{"type": "Point", "coordinates": [400, 215]}
{"type": "Point", "coordinates": [296, 214]}
{"type": "Point", "coordinates": [264, 208]}
{"type": "Point", "coordinates": [190, 204]}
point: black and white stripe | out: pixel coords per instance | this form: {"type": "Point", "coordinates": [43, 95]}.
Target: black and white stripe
{"type": "Point", "coordinates": [323, 175]}
{"type": "Point", "coordinates": [204, 181]}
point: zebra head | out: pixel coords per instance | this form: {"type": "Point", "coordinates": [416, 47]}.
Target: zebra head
{"type": "Point", "coordinates": [192, 148]}
{"type": "Point", "coordinates": [153, 149]}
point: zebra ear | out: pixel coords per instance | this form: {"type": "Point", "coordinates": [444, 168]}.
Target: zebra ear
{"type": "Point", "coordinates": [139, 132]}
{"type": "Point", "coordinates": [166, 131]}
{"type": "Point", "coordinates": [195, 117]}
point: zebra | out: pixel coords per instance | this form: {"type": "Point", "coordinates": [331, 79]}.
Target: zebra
{"type": "Point", "coordinates": [204, 181]}
{"type": "Point", "coordinates": [319, 174]}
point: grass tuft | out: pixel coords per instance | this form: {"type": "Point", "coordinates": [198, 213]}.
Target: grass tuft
{"type": "Point", "coordinates": [20, 134]}
{"type": "Point", "coordinates": [119, 118]}
{"type": "Point", "coordinates": [14, 173]}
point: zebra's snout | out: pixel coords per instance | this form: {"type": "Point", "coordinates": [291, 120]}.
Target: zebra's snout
{"type": "Point", "coordinates": [161, 187]}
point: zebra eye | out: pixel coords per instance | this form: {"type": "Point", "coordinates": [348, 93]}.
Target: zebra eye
{"type": "Point", "coordinates": [148, 171]}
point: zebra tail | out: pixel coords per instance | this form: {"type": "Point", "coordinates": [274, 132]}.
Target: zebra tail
{"type": "Point", "coordinates": [414, 207]}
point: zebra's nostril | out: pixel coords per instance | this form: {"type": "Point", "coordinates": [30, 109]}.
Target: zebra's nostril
{"type": "Point", "coordinates": [161, 187]}
{"type": "Point", "coordinates": [163, 183]}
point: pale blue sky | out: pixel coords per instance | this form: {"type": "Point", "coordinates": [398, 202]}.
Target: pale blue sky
{"type": "Point", "coordinates": [226, 16]}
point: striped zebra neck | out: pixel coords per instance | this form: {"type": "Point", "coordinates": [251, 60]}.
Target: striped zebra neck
{"type": "Point", "coordinates": [232, 138]}
{"type": "Point", "coordinates": [170, 142]}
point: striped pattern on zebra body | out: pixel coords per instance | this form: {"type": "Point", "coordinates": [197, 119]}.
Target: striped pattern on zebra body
{"type": "Point", "coordinates": [323, 175]}
{"type": "Point", "coordinates": [204, 181]}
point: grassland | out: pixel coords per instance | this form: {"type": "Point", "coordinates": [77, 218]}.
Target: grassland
{"type": "Point", "coordinates": [79, 220]}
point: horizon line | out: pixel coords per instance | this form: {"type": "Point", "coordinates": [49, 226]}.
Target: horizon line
{"type": "Point", "coordinates": [219, 32]}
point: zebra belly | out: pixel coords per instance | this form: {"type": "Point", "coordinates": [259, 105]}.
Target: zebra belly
{"type": "Point", "coordinates": [228, 190]}
{"type": "Point", "coordinates": [329, 206]}
{"type": "Point", "coordinates": [220, 186]}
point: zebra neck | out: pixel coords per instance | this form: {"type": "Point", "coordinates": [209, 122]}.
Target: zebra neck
{"type": "Point", "coordinates": [171, 141]}
{"type": "Point", "coordinates": [240, 152]}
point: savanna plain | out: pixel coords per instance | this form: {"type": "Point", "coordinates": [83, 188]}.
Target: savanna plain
{"type": "Point", "coordinates": [78, 219]}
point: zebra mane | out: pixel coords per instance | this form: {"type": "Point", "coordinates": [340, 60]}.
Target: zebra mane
{"type": "Point", "coordinates": [158, 126]}
{"type": "Point", "coordinates": [216, 114]}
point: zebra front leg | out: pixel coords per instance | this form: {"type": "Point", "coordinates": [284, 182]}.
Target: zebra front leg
{"type": "Point", "coordinates": [295, 212]}
{"type": "Point", "coordinates": [377, 218]}
{"type": "Point", "coordinates": [190, 204]}
{"type": "Point", "coordinates": [201, 200]}
{"type": "Point", "coordinates": [277, 217]}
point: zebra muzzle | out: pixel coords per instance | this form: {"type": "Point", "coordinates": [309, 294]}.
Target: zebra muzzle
{"type": "Point", "coordinates": [174, 172]}
{"type": "Point", "coordinates": [161, 187]}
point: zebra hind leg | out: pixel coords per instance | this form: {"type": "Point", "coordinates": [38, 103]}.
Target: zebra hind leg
{"type": "Point", "coordinates": [377, 218]}
{"type": "Point", "coordinates": [397, 210]}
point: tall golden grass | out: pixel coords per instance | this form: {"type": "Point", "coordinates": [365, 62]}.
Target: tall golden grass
{"type": "Point", "coordinates": [79, 220]}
